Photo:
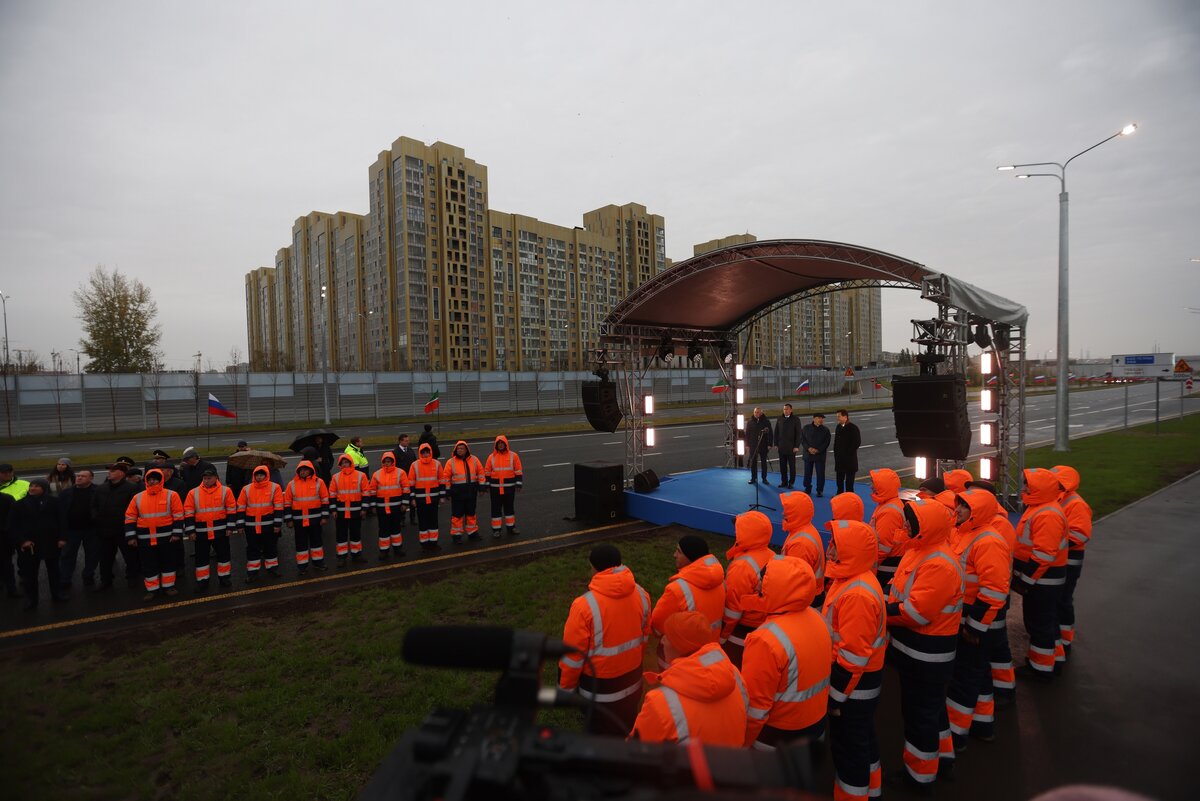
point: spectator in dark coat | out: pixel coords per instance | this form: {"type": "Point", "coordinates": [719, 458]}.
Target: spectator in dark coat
{"type": "Point", "coordinates": [191, 470]}
{"type": "Point", "coordinates": [428, 436]}
{"type": "Point", "coordinates": [846, 441]}
{"type": "Point", "coordinates": [78, 507]}
{"type": "Point", "coordinates": [787, 440]}
{"type": "Point", "coordinates": [112, 499]}
{"type": "Point", "coordinates": [814, 440]}
{"type": "Point", "coordinates": [237, 477]}
{"type": "Point", "coordinates": [758, 444]}
{"type": "Point", "coordinates": [405, 456]}
{"type": "Point", "coordinates": [35, 528]}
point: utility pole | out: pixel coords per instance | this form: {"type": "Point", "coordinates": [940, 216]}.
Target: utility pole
{"type": "Point", "coordinates": [196, 386]}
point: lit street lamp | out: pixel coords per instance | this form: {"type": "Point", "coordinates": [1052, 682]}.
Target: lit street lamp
{"type": "Point", "coordinates": [1061, 404]}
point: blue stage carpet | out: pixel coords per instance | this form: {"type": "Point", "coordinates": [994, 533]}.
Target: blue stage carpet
{"type": "Point", "coordinates": [708, 500]}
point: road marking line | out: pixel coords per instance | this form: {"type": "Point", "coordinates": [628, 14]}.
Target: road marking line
{"type": "Point", "coordinates": [881, 428]}
{"type": "Point", "coordinates": [289, 584]}
{"type": "Point", "coordinates": [618, 442]}
{"type": "Point", "coordinates": [653, 454]}
{"type": "Point", "coordinates": [866, 446]}
{"type": "Point", "coordinates": [530, 450]}
{"type": "Point", "coordinates": [563, 489]}
{"type": "Point", "coordinates": [892, 442]}
{"type": "Point", "coordinates": [556, 464]}
{"type": "Point", "coordinates": [681, 436]}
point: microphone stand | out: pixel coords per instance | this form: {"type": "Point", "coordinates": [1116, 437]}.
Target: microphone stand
{"type": "Point", "coordinates": [754, 467]}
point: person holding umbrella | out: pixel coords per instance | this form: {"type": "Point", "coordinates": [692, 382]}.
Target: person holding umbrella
{"type": "Point", "coordinates": [321, 441]}
{"type": "Point", "coordinates": [237, 477]}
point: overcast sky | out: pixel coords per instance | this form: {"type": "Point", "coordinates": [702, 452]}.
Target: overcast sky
{"type": "Point", "coordinates": [178, 141]}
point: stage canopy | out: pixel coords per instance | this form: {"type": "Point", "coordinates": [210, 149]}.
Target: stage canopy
{"type": "Point", "coordinates": [724, 290]}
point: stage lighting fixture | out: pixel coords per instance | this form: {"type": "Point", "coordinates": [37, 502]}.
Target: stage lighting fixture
{"type": "Point", "coordinates": [739, 372]}
{"type": "Point", "coordinates": [741, 422]}
{"type": "Point", "coordinates": [725, 350]}
{"type": "Point", "coordinates": [921, 468]}
{"type": "Point", "coordinates": [981, 336]}
{"type": "Point", "coordinates": [666, 349]}
{"type": "Point", "coordinates": [695, 351]}
{"type": "Point", "coordinates": [987, 400]}
{"type": "Point", "coordinates": [740, 396]}
{"type": "Point", "coordinates": [987, 433]}
{"type": "Point", "coordinates": [741, 447]}
{"type": "Point", "coordinates": [987, 468]}
{"type": "Point", "coordinates": [650, 438]}
{"type": "Point", "coordinates": [649, 404]}
{"type": "Point", "coordinates": [985, 363]}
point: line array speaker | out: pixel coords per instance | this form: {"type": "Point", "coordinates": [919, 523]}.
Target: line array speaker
{"type": "Point", "coordinates": [600, 405]}
{"type": "Point", "coordinates": [931, 416]}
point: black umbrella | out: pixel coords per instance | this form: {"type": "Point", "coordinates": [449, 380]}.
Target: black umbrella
{"type": "Point", "coordinates": [308, 439]}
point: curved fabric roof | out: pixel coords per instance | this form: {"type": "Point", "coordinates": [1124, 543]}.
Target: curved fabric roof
{"type": "Point", "coordinates": [727, 287]}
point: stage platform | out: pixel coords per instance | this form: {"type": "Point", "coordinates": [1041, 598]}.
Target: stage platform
{"type": "Point", "coordinates": [709, 500]}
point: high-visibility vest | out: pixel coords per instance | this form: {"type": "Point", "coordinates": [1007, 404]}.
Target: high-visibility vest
{"type": "Point", "coordinates": [806, 544]}
{"type": "Point", "coordinates": [684, 706]}
{"type": "Point", "coordinates": [462, 471]}
{"type": "Point", "coordinates": [1079, 522]}
{"type": "Point", "coordinates": [425, 481]}
{"type": "Point", "coordinates": [858, 632]}
{"type": "Point", "coordinates": [151, 517]}
{"type": "Point", "coordinates": [306, 500]}
{"type": "Point", "coordinates": [888, 522]}
{"type": "Point", "coordinates": [987, 565]}
{"type": "Point", "coordinates": [349, 493]}
{"type": "Point", "coordinates": [697, 587]}
{"type": "Point", "coordinates": [503, 471]}
{"type": "Point", "coordinates": [207, 511]}
{"type": "Point", "coordinates": [930, 600]}
{"type": "Point", "coordinates": [795, 697]}
{"type": "Point", "coordinates": [610, 631]}
{"type": "Point", "coordinates": [389, 488]}
{"type": "Point", "coordinates": [1041, 553]}
{"type": "Point", "coordinates": [741, 578]}
{"type": "Point", "coordinates": [260, 506]}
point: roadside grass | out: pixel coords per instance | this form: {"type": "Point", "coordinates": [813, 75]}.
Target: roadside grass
{"type": "Point", "coordinates": [282, 704]}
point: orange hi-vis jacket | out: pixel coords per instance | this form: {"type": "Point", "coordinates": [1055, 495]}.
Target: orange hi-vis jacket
{"type": "Point", "coordinates": [748, 556]}
{"type": "Point", "coordinates": [986, 560]}
{"type": "Point", "coordinates": [888, 519]}
{"type": "Point", "coordinates": [306, 500]}
{"type": "Point", "coordinates": [459, 472]}
{"type": "Point", "coordinates": [925, 599]}
{"type": "Point", "coordinates": [1041, 553]}
{"type": "Point", "coordinates": [349, 490]}
{"type": "Point", "coordinates": [209, 512]}
{"type": "Point", "coordinates": [1079, 514]}
{"type": "Point", "coordinates": [389, 489]}
{"type": "Point", "coordinates": [786, 662]}
{"type": "Point", "coordinates": [956, 480]}
{"type": "Point", "coordinates": [699, 697]}
{"type": "Point", "coordinates": [854, 609]}
{"type": "Point", "coordinates": [261, 504]}
{"type": "Point", "coordinates": [697, 587]}
{"type": "Point", "coordinates": [425, 477]}
{"type": "Point", "coordinates": [803, 540]}
{"type": "Point", "coordinates": [154, 513]}
{"type": "Point", "coordinates": [503, 470]}
{"type": "Point", "coordinates": [609, 624]}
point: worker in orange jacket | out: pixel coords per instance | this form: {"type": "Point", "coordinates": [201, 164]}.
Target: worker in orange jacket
{"type": "Point", "coordinates": [390, 497]}
{"type": "Point", "coordinates": [1079, 533]}
{"type": "Point", "coordinates": [608, 627]}
{"type": "Point", "coordinates": [956, 480]}
{"type": "Point", "coordinates": [786, 661]}
{"type": "Point", "coordinates": [210, 516]}
{"type": "Point", "coordinates": [845, 506]}
{"type": "Point", "coordinates": [924, 611]}
{"type": "Point", "coordinates": [505, 478]}
{"type": "Point", "coordinates": [260, 506]}
{"type": "Point", "coordinates": [749, 555]}
{"type": "Point", "coordinates": [888, 522]}
{"type": "Point", "coordinates": [153, 523]}
{"type": "Point", "coordinates": [698, 586]}
{"type": "Point", "coordinates": [803, 540]}
{"type": "Point", "coordinates": [856, 614]}
{"type": "Point", "coordinates": [700, 696]}
{"type": "Point", "coordinates": [463, 480]}
{"type": "Point", "coordinates": [986, 559]}
{"type": "Point", "coordinates": [305, 508]}
{"type": "Point", "coordinates": [349, 501]}
{"type": "Point", "coordinates": [1040, 569]}
{"type": "Point", "coordinates": [425, 481]}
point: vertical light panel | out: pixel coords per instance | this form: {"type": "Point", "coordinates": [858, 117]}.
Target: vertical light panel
{"type": "Point", "coordinates": [650, 438]}
{"type": "Point", "coordinates": [739, 371]}
{"type": "Point", "coordinates": [649, 404]}
{"type": "Point", "coordinates": [987, 433]}
{"type": "Point", "coordinates": [985, 363]}
{"type": "Point", "coordinates": [987, 468]}
{"type": "Point", "coordinates": [921, 468]}
{"type": "Point", "coordinates": [741, 422]}
{"type": "Point", "coordinates": [987, 400]}
{"type": "Point", "coordinates": [740, 396]}
{"type": "Point", "coordinates": [741, 447]}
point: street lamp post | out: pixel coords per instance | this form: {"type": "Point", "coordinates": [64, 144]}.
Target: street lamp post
{"type": "Point", "coordinates": [1062, 428]}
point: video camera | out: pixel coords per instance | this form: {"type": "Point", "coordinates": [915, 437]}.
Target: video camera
{"type": "Point", "coordinates": [500, 753]}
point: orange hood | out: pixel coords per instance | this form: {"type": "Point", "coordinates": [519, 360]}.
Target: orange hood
{"type": "Point", "coordinates": [788, 585]}
{"type": "Point", "coordinates": [797, 511]}
{"type": "Point", "coordinates": [345, 463]}
{"type": "Point", "coordinates": [504, 439]}
{"type": "Point", "coordinates": [305, 463]}
{"type": "Point", "coordinates": [934, 522]}
{"type": "Point", "coordinates": [454, 454]}
{"type": "Point", "coordinates": [425, 452]}
{"type": "Point", "coordinates": [157, 488]}
{"type": "Point", "coordinates": [752, 532]}
{"type": "Point", "coordinates": [956, 480]}
{"type": "Point", "coordinates": [264, 470]}
{"type": "Point", "coordinates": [885, 485]}
{"type": "Point", "coordinates": [615, 582]}
{"type": "Point", "coordinates": [691, 677]}
{"type": "Point", "coordinates": [846, 506]}
{"type": "Point", "coordinates": [983, 510]}
{"type": "Point", "coordinates": [1068, 477]}
{"type": "Point", "coordinates": [854, 544]}
{"type": "Point", "coordinates": [1041, 486]}
{"type": "Point", "coordinates": [705, 573]}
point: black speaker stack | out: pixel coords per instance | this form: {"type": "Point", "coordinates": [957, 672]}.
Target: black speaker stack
{"type": "Point", "coordinates": [600, 405]}
{"type": "Point", "coordinates": [931, 416]}
{"type": "Point", "coordinates": [599, 491]}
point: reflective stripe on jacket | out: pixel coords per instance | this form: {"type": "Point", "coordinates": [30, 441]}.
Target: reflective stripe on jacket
{"type": "Point", "coordinates": [260, 506]}
{"type": "Point", "coordinates": [700, 697]}
{"type": "Point", "coordinates": [608, 625]}
{"type": "Point", "coordinates": [389, 489]}
{"type": "Point", "coordinates": [786, 670]}
{"type": "Point", "coordinates": [209, 511]}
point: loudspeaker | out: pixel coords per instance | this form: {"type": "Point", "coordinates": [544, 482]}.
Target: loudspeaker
{"type": "Point", "coordinates": [600, 405]}
{"type": "Point", "coordinates": [645, 481]}
{"type": "Point", "coordinates": [931, 416]}
{"type": "Point", "coordinates": [599, 491]}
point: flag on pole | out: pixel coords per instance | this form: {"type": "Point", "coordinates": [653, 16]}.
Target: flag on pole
{"type": "Point", "coordinates": [1039, 379]}
{"type": "Point", "coordinates": [993, 380]}
{"type": "Point", "coordinates": [720, 386]}
{"type": "Point", "coordinates": [878, 385]}
{"type": "Point", "coordinates": [432, 404]}
{"type": "Point", "coordinates": [215, 407]}
{"type": "Point", "coordinates": [803, 387]}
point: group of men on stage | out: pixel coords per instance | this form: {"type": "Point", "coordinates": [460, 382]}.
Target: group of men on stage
{"type": "Point", "coordinates": [810, 442]}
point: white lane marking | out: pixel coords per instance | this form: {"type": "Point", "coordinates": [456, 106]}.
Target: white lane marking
{"type": "Point", "coordinates": [556, 464]}
{"type": "Point", "coordinates": [866, 446]}
{"type": "Point", "coordinates": [681, 436]}
{"type": "Point", "coordinates": [530, 450]}
{"type": "Point", "coordinates": [563, 489]}
{"type": "Point", "coordinates": [653, 454]}
{"type": "Point", "coordinates": [1076, 425]}
{"type": "Point", "coordinates": [618, 442]}
{"type": "Point", "coordinates": [881, 428]}
{"type": "Point", "coordinates": [1040, 420]}
{"type": "Point", "coordinates": [892, 442]}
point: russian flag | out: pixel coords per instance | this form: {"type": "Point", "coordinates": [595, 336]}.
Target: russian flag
{"type": "Point", "coordinates": [803, 387]}
{"type": "Point", "coordinates": [992, 380]}
{"type": "Point", "coordinates": [215, 407]}
{"type": "Point", "coordinates": [1039, 379]}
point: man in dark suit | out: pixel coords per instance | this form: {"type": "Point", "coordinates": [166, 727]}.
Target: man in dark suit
{"type": "Point", "coordinates": [814, 440]}
{"type": "Point", "coordinates": [846, 442]}
{"type": "Point", "coordinates": [787, 440]}
{"type": "Point", "coordinates": [758, 444]}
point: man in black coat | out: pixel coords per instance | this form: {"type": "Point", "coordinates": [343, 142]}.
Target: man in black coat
{"type": "Point", "coordinates": [814, 440]}
{"type": "Point", "coordinates": [191, 470]}
{"type": "Point", "coordinates": [237, 477]}
{"type": "Point", "coordinates": [758, 444]}
{"type": "Point", "coordinates": [846, 442]}
{"type": "Point", "coordinates": [35, 528]}
{"type": "Point", "coordinates": [787, 440]}
{"type": "Point", "coordinates": [405, 456]}
{"type": "Point", "coordinates": [78, 507]}
{"type": "Point", "coordinates": [112, 499]}
{"type": "Point", "coordinates": [428, 436]}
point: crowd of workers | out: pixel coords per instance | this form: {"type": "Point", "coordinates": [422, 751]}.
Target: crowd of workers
{"type": "Point", "coordinates": [789, 648]}
{"type": "Point", "coordinates": [146, 515]}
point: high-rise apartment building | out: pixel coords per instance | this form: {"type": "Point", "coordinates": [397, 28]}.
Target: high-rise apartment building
{"type": "Point", "coordinates": [641, 241]}
{"type": "Point", "coordinates": [261, 318]}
